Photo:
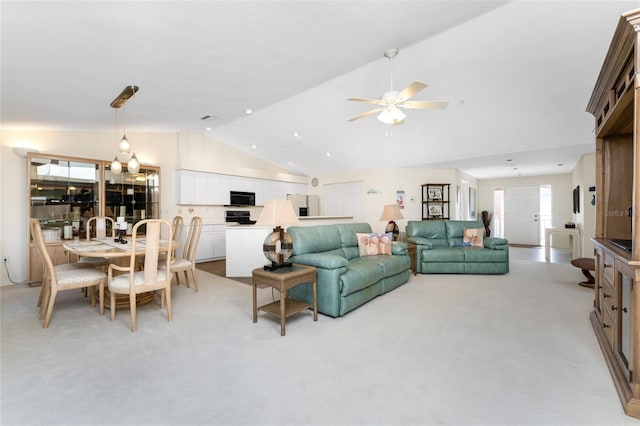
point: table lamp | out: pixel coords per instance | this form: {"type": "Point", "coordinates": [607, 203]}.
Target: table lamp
{"type": "Point", "coordinates": [278, 246]}
{"type": "Point", "coordinates": [391, 212]}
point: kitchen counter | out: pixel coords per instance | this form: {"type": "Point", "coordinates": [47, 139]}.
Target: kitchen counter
{"type": "Point", "coordinates": [244, 249]}
{"type": "Point", "coordinates": [244, 243]}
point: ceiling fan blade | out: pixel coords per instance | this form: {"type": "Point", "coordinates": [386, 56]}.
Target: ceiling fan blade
{"type": "Point", "coordinates": [369, 101]}
{"type": "Point", "coordinates": [411, 90]}
{"type": "Point", "coordinates": [370, 112]}
{"type": "Point", "coordinates": [424, 104]}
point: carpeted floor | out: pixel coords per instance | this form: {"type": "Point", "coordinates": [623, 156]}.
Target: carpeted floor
{"type": "Point", "coordinates": [516, 349]}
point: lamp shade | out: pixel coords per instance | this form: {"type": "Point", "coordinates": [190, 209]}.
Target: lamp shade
{"type": "Point", "coordinates": [278, 213]}
{"type": "Point", "coordinates": [391, 212]}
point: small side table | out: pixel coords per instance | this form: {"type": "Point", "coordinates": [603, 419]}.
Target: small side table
{"type": "Point", "coordinates": [411, 249]}
{"type": "Point", "coordinates": [586, 264]}
{"type": "Point", "coordinates": [282, 280]}
{"type": "Point", "coordinates": [574, 233]}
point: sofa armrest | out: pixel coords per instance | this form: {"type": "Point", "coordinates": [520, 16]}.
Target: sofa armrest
{"type": "Point", "coordinates": [321, 260]}
{"type": "Point", "coordinates": [420, 241]}
{"type": "Point", "coordinates": [399, 248]}
{"type": "Point", "coordinates": [495, 243]}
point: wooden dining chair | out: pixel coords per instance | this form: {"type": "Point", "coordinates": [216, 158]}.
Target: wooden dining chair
{"type": "Point", "coordinates": [187, 262]}
{"type": "Point", "coordinates": [178, 228]}
{"type": "Point", "coordinates": [133, 281]}
{"type": "Point", "coordinates": [64, 277]}
{"type": "Point", "coordinates": [99, 227]}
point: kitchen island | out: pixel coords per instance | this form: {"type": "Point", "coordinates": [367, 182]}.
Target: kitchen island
{"type": "Point", "coordinates": [244, 243]}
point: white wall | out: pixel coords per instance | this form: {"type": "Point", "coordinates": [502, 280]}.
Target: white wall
{"type": "Point", "coordinates": [585, 175]}
{"type": "Point", "coordinates": [380, 187]}
{"type": "Point", "coordinates": [561, 201]}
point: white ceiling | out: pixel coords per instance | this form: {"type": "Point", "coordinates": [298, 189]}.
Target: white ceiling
{"type": "Point", "coordinates": [517, 76]}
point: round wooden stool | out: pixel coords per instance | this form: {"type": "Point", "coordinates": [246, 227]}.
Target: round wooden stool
{"type": "Point", "coordinates": [586, 264]}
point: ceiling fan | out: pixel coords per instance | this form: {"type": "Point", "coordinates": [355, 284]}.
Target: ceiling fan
{"type": "Point", "coordinates": [390, 102]}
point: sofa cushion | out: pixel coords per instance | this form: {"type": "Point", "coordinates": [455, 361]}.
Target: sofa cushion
{"type": "Point", "coordinates": [455, 230]}
{"type": "Point", "coordinates": [481, 255]}
{"type": "Point", "coordinates": [314, 239]}
{"type": "Point", "coordinates": [433, 229]}
{"type": "Point", "coordinates": [393, 265]}
{"type": "Point", "coordinates": [449, 254]}
{"type": "Point", "coordinates": [361, 272]}
{"type": "Point", "coordinates": [473, 237]}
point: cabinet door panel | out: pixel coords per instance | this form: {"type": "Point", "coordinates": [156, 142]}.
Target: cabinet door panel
{"type": "Point", "coordinates": [185, 187]}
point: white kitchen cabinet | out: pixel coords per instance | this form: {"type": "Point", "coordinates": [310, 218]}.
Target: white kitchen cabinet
{"type": "Point", "coordinates": [185, 187]}
{"type": "Point", "coordinates": [203, 188]}
{"type": "Point", "coordinates": [212, 244]}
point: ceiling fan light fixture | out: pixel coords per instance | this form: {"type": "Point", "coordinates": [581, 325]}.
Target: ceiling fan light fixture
{"type": "Point", "coordinates": [392, 115]}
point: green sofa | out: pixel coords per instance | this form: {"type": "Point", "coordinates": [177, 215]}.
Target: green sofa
{"type": "Point", "coordinates": [344, 279]}
{"type": "Point", "coordinates": [439, 249]}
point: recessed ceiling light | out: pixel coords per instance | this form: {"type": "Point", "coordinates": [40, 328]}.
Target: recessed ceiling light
{"type": "Point", "coordinates": [560, 164]}
{"type": "Point", "coordinates": [509, 159]}
{"type": "Point", "coordinates": [254, 146]}
{"type": "Point", "coordinates": [248, 111]}
{"type": "Point", "coordinates": [208, 129]}
{"type": "Point", "coordinates": [328, 154]}
{"type": "Point", "coordinates": [295, 134]}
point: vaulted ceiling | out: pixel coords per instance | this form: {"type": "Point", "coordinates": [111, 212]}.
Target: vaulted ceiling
{"type": "Point", "coordinates": [517, 75]}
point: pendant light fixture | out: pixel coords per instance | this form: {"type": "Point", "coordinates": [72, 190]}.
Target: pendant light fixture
{"type": "Point", "coordinates": [124, 147]}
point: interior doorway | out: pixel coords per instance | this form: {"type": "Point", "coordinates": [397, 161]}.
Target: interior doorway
{"type": "Point", "coordinates": [522, 214]}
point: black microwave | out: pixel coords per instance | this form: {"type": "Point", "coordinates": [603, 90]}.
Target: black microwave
{"type": "Point", "coordinates": [239, 198]}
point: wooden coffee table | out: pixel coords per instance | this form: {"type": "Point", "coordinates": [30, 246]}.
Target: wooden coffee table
{"type": "Point", "coordinates": [282, 280]}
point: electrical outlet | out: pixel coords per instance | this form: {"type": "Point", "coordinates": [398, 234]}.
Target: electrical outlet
{"type": "Point", "coordinates": [5, 258]}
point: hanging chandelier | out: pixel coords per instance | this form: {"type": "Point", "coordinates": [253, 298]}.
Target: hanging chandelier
{"type": "Point", "coordinates": [124, 147]}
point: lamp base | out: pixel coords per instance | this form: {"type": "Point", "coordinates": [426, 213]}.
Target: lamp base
{"type": "Point", "coordinates": [393, 228]}
{"type": "Point", "coordinates": [275, 266]}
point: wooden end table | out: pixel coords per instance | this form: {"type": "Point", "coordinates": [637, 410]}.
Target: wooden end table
{"type": "Point", "coordinates": [282, 280]}
{"type": "Point", "coordinates": [411, 250]}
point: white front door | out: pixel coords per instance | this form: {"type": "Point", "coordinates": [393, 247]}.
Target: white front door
{"type": "Point", "coordinates": [521, 214]}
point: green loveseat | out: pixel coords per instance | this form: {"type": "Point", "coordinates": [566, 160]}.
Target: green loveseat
{"type": "Point", "coordinates": [439, 249]}
{"type": "Point", "coordinates": [345, 280]}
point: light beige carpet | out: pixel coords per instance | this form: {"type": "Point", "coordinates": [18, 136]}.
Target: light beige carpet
{"type": "Point", "coordinates": [442, 349]}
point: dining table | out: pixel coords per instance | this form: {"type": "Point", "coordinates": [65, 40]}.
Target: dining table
{"type": "Point", "coordinates": [117, 252]}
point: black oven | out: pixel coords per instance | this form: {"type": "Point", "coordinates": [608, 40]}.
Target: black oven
{"type": "Point", "coordinates": [239, 198]}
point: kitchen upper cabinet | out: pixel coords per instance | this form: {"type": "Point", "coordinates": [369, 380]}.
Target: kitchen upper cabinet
{"type": "Point", "coordinates": [185, 187]}
{"type": "Point", "coordinates": [194, 187]}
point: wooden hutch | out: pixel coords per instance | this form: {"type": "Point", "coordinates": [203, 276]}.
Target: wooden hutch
{"type": "Point", "coordinates": [63, 192]}
{"type": "Point", "coordinates": [615, 104]}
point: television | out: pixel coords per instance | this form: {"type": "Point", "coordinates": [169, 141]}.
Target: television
{"type": "Point", "coordinates": [576, 199]}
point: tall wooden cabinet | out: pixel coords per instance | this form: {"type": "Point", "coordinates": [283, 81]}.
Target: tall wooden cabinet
{"type": "Point", "coordinates": [615, 104]}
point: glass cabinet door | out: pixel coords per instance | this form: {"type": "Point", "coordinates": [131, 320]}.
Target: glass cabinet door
{"type": "Point", "coordinates": [133, 196]}
{"type": "Point", "coordinates": [64, 194]}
